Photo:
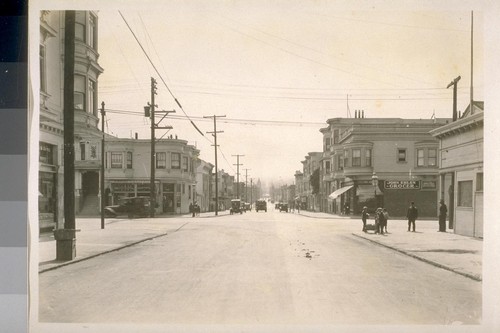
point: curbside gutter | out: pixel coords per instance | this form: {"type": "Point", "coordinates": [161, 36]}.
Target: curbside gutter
{"type": "Point", "coordinates": [470, 276]}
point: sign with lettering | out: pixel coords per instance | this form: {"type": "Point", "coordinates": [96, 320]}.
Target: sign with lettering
{"type": "Point", "coordinates": [429, 184]}
{"type": "Point", "coordinates": [402, 184]}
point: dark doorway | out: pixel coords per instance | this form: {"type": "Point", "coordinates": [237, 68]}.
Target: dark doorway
{"type": "Point", "coordinates": [90, 183]}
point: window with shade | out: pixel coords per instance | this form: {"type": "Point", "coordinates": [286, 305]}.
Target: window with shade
{"type": "Point", "coordinates": [161, 160]}
{"type": "Point", "coordinates": [80, 90]}
{"type": "Point", "coordinates": [80, 26]}
{"type": "Point", "coordinates": [401, 155]}
{"type": "Point", "coordinates": [116, 160]}
{"type": "Point", "coordinates": [129, 160]}
{"type": "Point", "coordinates": [184, 163]}
{"type": "Point", "coordinates": [92, 104]}
{"type": "Point", "coordinates": [176, 161]}
{"type": "Point", "coordinates": [432, 158]}
{"type": "Point", "coordinates": [420, 158]}
{"type": "Point", "coordinates": [368, 157]}
{"type": "Point", "coordinates": [465, 193]}
{"type": "Point", "coordinates": [356, 157]}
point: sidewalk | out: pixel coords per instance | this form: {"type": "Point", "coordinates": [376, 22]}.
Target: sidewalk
{"type": "Point", "coordinates": [118, 233]}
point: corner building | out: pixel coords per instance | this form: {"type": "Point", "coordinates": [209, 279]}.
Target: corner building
{"type": "Point", "coordinates": [380, 162]}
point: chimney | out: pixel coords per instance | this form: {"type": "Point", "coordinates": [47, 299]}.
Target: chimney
{"type": "Point", "coordinates": [363, 114]}
{"type": "Point", "coordinates": [136, 135]}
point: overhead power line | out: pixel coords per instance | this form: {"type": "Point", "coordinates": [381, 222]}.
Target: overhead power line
{"type": "Point", "coordinates": [157, 72]}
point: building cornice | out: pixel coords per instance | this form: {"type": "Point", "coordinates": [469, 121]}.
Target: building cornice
{"type": "Point", "coordinates": [462, 125]}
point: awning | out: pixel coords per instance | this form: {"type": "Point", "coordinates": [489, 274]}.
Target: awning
{"type": "Point", "coordinates": [338, 192]}
{"type": "Point", "coordinates": [365, 192]}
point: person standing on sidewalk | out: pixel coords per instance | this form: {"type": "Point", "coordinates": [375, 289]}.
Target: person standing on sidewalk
{"type": "Point", "coordinates": [443, 210]}
{"type": "Point", "coordinates": [364, 217]}
{"type": "Point", "coordinates": [412, 215]}
{"type": "Point", "coordinates": [386, 218]}
{"type": "Point", "coordinates": [381, 220]}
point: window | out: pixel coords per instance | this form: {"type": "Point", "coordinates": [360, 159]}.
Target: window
{"type": "Point", "coordinates": [465, 193]}
{"type": "Point", "coordinates": [189, 190]}
{"type": "Point", "coordinates": [368, 157]}
{"type": "Point", "coordinates": [346, 158]}
{"type": "Point", "coordinates": [79, 94]}
{"type": "Point", "coordinates": [402, 155]}
{"type": "Point", "coordinates": [116, 160]}
{"type": "Point", "coordinates": [184, 163]}
{"type": "Point", "coordinates": [92, 104]}
{"type": "Point", "coordinates": [432, 157]}
{"type": "Point", "coordinates": [176, 161]}
{"type": "Point", "coordinates": [80, 26]}
{"type": "Point", "coordinates": [356, 157]}
{"type": "Point", "coordinates": [46, 154]}
{"type": "Point", "coordinates": [420, 158]}
{"type": "Point", "coordinates": [161, 160]}
{"type": "Point", "coordinates": [335, 136]}
{"type": "Point", "coordinates": [328, 142]}
{"type": "Point", "coordinates": [183, 188]}
{"type": "Point", "coordinates": [43, 71]}
{"type": "Point", "coordinates": [82, 151]}
{"type": "Point", "coordinates": [92, 40]}
{"type": "Point", "coordinates": [93, 151]}
{"type": "Point", "coordinates": [129, 160]}
{"type": "Point", "coordinates": [327, 166]}
{"type": "Point", "coordinates": [341, 162]}
{"type": "Point", "coordinates": [479, 181]}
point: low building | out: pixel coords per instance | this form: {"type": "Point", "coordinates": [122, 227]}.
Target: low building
{"type": "Point", "coordinates": [128, 170]}
{"type": "Point", "coordinates": [310, 165]}
{"type": "Point", "coordinates": [204, 184]}
{"type": "Point", "coordinates": [461, 170]}
{"type": "Point", "coordinates": [377, 162]}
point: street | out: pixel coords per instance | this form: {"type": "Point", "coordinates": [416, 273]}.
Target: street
{"type": "Point", "coordinates": [258, 268]}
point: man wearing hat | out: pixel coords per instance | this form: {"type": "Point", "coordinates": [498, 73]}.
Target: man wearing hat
{"type": "Point", "coordinates": [412, 216]}
{"type": "Point", "coordinates": [443, 210]}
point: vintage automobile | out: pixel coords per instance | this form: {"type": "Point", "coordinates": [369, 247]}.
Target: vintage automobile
{"type": "Point", "coordinates": [261, 205]}
{"type": "Point", "coordinates": [248, 206]}
{"type": "Point", "coordinates": [284, 207]}
{"type": "Point", "coordinates": [132, 206]}
{"type": "Point", "coordinates": [236, 207]}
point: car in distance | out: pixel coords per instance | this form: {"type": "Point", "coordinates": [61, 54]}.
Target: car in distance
{"type": "Point", "coordinates": [132, 206]}
{"type": "Point", "coordinates": [261, 205]}
{"type": "Point", "coordinates": [284, 207]}
{"type": "Point", "coordinates": [236, 207]}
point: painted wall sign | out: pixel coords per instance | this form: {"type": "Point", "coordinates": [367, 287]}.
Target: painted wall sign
{"type": "Point", "coordinates": [402, 184]}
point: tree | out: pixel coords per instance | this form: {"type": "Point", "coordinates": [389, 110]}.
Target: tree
{"type": "Point", "coordinates": [314, 181]}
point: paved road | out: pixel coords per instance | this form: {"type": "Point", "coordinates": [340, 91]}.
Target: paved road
{"type": "Point", "coordinates": [258, 268]}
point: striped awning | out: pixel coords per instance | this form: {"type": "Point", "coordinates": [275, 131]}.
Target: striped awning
{"type": "Point", "coordinates": [338, 192]}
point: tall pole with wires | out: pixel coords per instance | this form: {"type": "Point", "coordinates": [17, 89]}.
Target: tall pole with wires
{"type": "Point", "coordinates": [103, 113]}
{"type": "Point", "coordinates": [152, 192]}
{"type": "Point", "coordinates": [246, 184]}
{"type": "Point", "coordinates": [214, 133]}
{"type": "Point", "coordinates": [238, 174]}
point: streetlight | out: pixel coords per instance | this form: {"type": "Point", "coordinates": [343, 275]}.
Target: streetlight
{"type": "Point", "coordinates": [375, 185]}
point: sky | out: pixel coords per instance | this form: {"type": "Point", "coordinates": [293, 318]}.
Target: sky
{"type": "Point", "coordinates": [277, 72]}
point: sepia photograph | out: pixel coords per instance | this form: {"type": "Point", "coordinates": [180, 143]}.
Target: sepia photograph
{"type": "Point", "coordinates": [253, 166]}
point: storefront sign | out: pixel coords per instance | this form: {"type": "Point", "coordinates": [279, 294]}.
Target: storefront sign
{"type": "Point", "coordinates": [123, 187]}
{"type": "Point", "coordinates": [429, 184]}
{"type": "Point", "coordinates": [402, 184]}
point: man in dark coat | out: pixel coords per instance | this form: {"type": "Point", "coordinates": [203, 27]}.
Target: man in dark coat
{"type": "Point", "coordinates": [412, 216]}
{"type": "Point", "coordinates": [443, 210]}
{"type": "Point", "coordinates": [364, 216]}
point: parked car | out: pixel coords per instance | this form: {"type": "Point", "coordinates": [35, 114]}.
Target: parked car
{"type": "Point", "coordinates": [132, 206]}
{"type": "Point", "coordinates": [248, 206]}
{"type": "Point", "coordinates": [236, 207]}
{"type": "Point", "coordinates": [261, 205]}
{"type": "Point", "coordinates": [277, 205]}
{"type": "Point", "coordinates": [284, 207]}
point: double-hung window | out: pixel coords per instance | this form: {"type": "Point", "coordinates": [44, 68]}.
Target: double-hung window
{"type": "Point", "coordinates": [161, 160]}
{"type": "Point", "coordinates": [116, 160]}
{"type": "Point", "coordinates": [356, 157]}
{"type": "Point", "coordinates": [80, 92]}
{"type": "Point", "coordinates": [185, 163]}
{"type": "Point", "coordinates": [176, 161]}
{"type": "Point", "coordinates": [420, 157]}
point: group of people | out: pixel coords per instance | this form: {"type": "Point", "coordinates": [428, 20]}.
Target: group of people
{"type": "Point", "coordinates": [382, 216]}
{"type": "Point", "coordinates": [194, 209]}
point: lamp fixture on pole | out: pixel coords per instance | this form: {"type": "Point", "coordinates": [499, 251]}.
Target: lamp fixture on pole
{"type": "Point", "coordinates": [375, 185]}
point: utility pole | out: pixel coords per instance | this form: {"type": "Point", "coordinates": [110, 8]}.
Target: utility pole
{"type": "Point", "coordinates": [454, 84]}
{"type": "Point", "coordinates": [152, 192]}
{"type": "Point", "coordinates": [238, 175]}
{"type": "Point", "coordinates": [103, 113]}
{"type": "Point", "coordinates": [214, 133]}
{"type": "Point", "coordinates": [66, 237]}
{"type": "Point", "coordinates": [251, 191]}
{"type": "Point", "coordinates": [246, 184]}
{"type": "Point", "coordinates": [150, 111]}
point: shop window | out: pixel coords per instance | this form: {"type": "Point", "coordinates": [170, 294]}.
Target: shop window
{"type": "Point", "coordinates": [176, 161]}
{"type": "Point", "coordinates": [129, 160]}
{"type": "Point", "coordinates": [161, 160]}
{"type": "Point", "coordinates": [465, 193]}
{"type": "Point", "coordinates": [184, 163]}
{"type": "Point", "coordinates": [116, 160]}
{"type": "Point", "coordinates": [420, 158]}
{"type": "Point", "coordinates": [401, 155]}
{"type": "Point", "coordinates": [432, 157]}
{"type": "Point", "coordinates": [80, 92]}
{"type": "Point", "coordinates": [80, 26]}
{"type": "Point", "coordinates": [356, 157]}
{"type": "Point", "coordinates": [479, 182]}
{"type": "Point", "coordinates": [368, 157]}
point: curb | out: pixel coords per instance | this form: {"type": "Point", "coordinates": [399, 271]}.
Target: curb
{"type": "Point", "coordinates": [467, 275]}
{"type": "Point", "coordinates": [101, 253]}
